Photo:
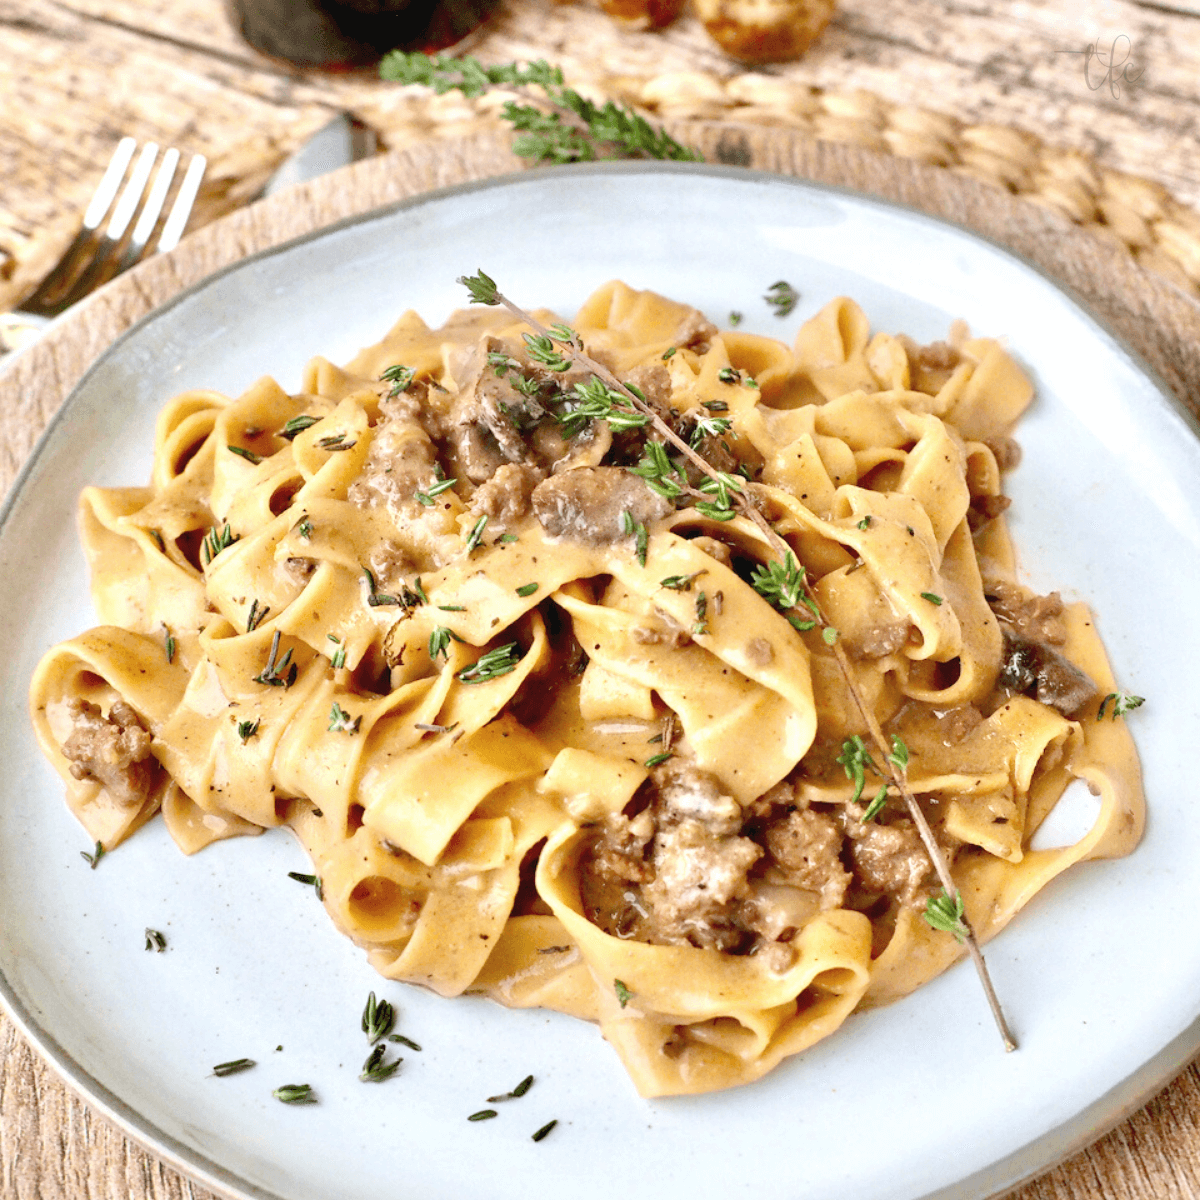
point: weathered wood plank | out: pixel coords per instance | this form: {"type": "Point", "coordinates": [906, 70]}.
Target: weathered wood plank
{"type": "Point", "coordinates": [76, 74]}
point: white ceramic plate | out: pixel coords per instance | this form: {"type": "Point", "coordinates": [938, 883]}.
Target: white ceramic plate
{"type": "Point", "coordinates": [1101, 983]}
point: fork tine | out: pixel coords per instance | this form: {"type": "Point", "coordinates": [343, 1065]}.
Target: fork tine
{"type": "Point", "coordinates": [68, 265]}
{"type": "Point", "coordinates": [153, 207]}
{"type": "Point", "coordinates": [182, 208]}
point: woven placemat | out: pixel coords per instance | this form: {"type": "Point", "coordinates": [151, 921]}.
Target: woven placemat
{"type": "Point", "coordinates": [51, 1146]}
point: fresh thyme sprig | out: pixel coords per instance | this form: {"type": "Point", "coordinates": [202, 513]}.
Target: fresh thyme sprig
{"type": "Point", "coordinates": [574, 129]}
{"type": "Point", "coordinates": [782, 297]}
{"type": "Point", "coordinates": [483, 290]}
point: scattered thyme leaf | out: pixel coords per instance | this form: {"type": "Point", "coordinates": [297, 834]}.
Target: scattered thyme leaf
{"type": "Point", "coordinates": [169, 645]}
{"type": "Point", "coordinates": [404, 1041]}
{"type": "Point", "coordinates": [304, 528]}
{"type": "Point", "coordinates": [155, 940]}
{"type": "Point", "coordinates": [295, 1093]}
{"type": "Point", "coordinates": [476, 535]}
{"type": "Point", "coordinates": [439, 641]}
{"type": "Point", "coordinates": [377, 1067]}
{"type": "Point", "coordinates": [340, 722]}
{"type": "Point", "coordinates": [829, 635]}
{"type": "Point", "coordinates": [427, 497]}
{"type": "Point", "coordinates": [865, 523]}
{"type": "Point", "coordinates": [484, 1114]}
{"type": "Point", "coordinates": [216, 540]}
{"type": "Point", "coordinates": [297, 425]}
{"type": "Point", "coordinates": [279, 672]}
{"type": "Point", "coordinates": [701, 625]}
{"type": "Point", "coordinates": [680, 583]}
{"type": "Point", "coordinates": [93, 859]}
{"type": "Point", "coordinates": [735, 318]}
{"type": "Point", "coordinates": [399, 376]}
{"type": "Point", "coordinates": [1122, 702]}
{"type": "Point", "coordinates": [313, 881]}
{"type": "Point", "coordinates": [247, 729]}
{"type": "Point", "coordinates": [256, 616]}
{"type": "Point", "coordinates": [527, 589]}
{"type": "Point", "coordinates": [248, 455]}
{"type": "Point", "coordinates": [782, 297]}
{"type": "Point", "coordinates": [492, 665]}
{"type": "Point", "coordinates": [539, 1134]}
{"type": "Point", "coordinates": [515, 1094]}
{"type": "Point", "coordinates": [233, 1067]}
{"type": "Point", "coordinates": [932, 597]}
{"type": "Point", "coordinates": [506, 538]}
{"type": "Point", "coordinates": [624, 995]}
{"type": "Point", "coordinates": [335, 442]}
{"type": "Point", "coordinates": [656, 760]}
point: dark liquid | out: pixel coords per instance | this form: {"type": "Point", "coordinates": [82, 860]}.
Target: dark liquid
{"type": "Point", "coordinates": [353, 33]}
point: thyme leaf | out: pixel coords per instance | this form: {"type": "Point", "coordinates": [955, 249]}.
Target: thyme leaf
{"type": "Point", "coordinates": [515, 1094]}
{"type": "Point", "coordinates": [399, 377]}
{"type": "Point", "coordinates": [782, 297]}
{"type": "Point", "coordinates": [93, 859]}
{"type": "Point", "coordinates": [233, 1067]}
{"type": "Point", "coordinates": [279, 672]}
{"type": "Point", "coordinates": [427, 497]}
{"type": "Point", "coordinates": [946, 915]}
{"type": "Point", "coordinates": [377, 1067]}
{"type": "Point", "coordinates": [295, 1093]}
{"type": "Point", "coordinates": [539, 1134]}
{"type": "Point", "coordinates": [340, 722]}
{"type": "Point", "coordinates": [439, 641]}
{"type": "Point", "coordinates": [248, 455]}
{"type": "Point", "coordinates": [247, 729]}
{"type": "Point", "coordinates": [1122, 702]}
{"type": "Point", "coordinates": [624, 995]}
{"type": "Point", "coordinates": [313, 881]}
{"type": "Point", "coordinates": [492, 665]}
{"type": "Point", "coordinates": [297, 425]}
{"type": "Point", "coordinates": [476, 535]}
{"type": "Point", "coordinates": [216, 540]}
{"type": "Point", "coordinates": [155, 940]}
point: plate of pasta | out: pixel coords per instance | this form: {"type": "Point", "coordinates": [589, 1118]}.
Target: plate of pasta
{"type": "Point", "coordinates": [552, 695]}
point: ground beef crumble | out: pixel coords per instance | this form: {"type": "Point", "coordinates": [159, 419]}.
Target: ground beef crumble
{"type": "Point", "coordinates": [694, 867]}
{"type": "Point", "coordinates": [113, 750]}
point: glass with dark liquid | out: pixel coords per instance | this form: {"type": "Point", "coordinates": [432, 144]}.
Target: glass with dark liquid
{"type": "Point", "coordinates": [343, 34]}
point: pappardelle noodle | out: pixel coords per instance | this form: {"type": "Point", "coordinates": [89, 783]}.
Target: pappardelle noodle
{"type": "Point", "coordinates": [544, 710]}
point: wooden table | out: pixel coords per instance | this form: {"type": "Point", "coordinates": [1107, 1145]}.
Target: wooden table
{"type": "Point", "coordinates": [62, 101]}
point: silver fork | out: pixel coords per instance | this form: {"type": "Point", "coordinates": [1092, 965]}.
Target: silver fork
{"type": "Point", "coordinates": [93, 257]}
